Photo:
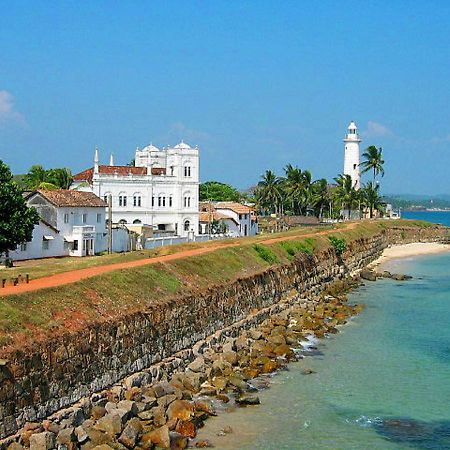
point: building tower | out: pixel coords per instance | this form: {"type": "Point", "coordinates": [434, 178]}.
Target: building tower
{"type": "Point", "coordinates": [351, 155]}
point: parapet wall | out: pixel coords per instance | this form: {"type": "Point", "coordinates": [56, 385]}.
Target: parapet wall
{"type": "Point", "coordinates": [37, 382]}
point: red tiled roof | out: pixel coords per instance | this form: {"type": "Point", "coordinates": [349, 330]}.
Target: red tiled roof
{"type": "Point", "coordinates": [206, 217]}
{"type": "Point", "coordinates": [234, 206]}
{"type": "Point", "coordinates": [65, 197]}
{"type": "Point", "coordinates": [87, 174]}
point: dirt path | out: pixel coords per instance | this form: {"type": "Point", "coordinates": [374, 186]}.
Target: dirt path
{"type": "Point", "coordinates": [80, 274]}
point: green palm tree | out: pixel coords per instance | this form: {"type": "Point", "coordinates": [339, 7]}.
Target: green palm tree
{"type": "Point", "coordinates": [269, 192]}
{"type": "Point", "coordinates": [293, 186]}
{"type": "Point", "coordinates": [320, 196]}
{"type": "Point", "coordinates": [373, 161]}
{"type": "Point", "coordinates": [35, 176]}
{"type": "Point", "coordinates": [61, 178]}
{"type": "Point", "coordinates": [345, 194]}
{"type": "Point", "coordinates": [371, 198]}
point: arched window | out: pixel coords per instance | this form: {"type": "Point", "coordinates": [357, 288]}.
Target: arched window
{"type": "Point", "coordinates": [136, 222]}
{"type": "Point", "coordinates": [137, 199]}
{"type": "Point", "coordinates": [161, 200]}
{"type": "Point", "coordinates": [187, 225]}
{"type": "Point", "coordinates": [187, 200]}
{"type": "Point", "coordinates": [122, 199]}
{"type": "Point", "coordinates": [106, 197]}
{"type": "Point", "coordinates": [122, 221]}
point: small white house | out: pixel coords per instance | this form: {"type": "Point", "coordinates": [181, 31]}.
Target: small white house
{"type": "Point", "coordinates": [72, 223]}
{"type": "Point", "coordinates": [240, 219]}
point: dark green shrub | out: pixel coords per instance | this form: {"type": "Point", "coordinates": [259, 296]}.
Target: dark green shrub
{"type": "Point", "coordinates": [265, 253]}
{"type": "Point", "coordinates": [338, 244]}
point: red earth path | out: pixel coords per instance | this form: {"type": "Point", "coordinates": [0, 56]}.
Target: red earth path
{"type": "Point", "coordinates": [80, 274]}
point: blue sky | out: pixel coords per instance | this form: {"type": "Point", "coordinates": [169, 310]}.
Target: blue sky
{"type": "Point", "coordinates": [256, 84]}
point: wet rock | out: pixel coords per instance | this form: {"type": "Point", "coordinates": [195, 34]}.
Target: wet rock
{"type": "Point", "coordinates": [248, 400]}
{"type": "Point", "coordinates": [308, 371]}
{"type": "Point", "coordinates": [180, 409]}
{"type": "Point", "coordinates": [400, 277]}
{"type": "Point", "coordinates": [159, 437]}
{"type": "Point", "coordinates": [42, 441]}
{"type": "Point", "coordinates": [179, 442]}
{"type": "Point", "coordinates": [204, 443]}
{"type": "Point", "coordinates": [186, 428]}
{"type": "Point", "coordinates": [367, 274]}
{"type": "Point", "coordinates": [223, 398]}
{"type": "Point", "coordinates": [205, 406]}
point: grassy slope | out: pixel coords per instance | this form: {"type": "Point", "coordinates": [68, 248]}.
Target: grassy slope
{"type": "Point", "coordinates": [39, 314]}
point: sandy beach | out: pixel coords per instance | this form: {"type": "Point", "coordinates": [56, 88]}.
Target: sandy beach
{"type": "Point", "coordinates": [409, 250]}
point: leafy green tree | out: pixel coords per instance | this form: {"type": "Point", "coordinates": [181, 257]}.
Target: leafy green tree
{"type": "Point", "coordinates": [373, 161]}
{"type": "Point", "coordinates": [219, 192]}
{"type": "Point", "coordinates": [35, 176]}
{"type": "Point", "coordinates": [371, 198]}
{"type": "Point", "coordinates": [39, 178]}
{"type": "Point", "coordinates": [345, 194]}
{"type": "Point", "coordinates": [61, 178]}
{"type": "Point", "coordinates": [269, 193]}
{"type": "Point", "coordinates": [17, 220]}
{"type": "Point", "coordinates": [320, 196]}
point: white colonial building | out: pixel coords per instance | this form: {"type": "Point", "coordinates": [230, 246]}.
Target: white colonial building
{"type": "Point", "coordinates": [71, 224]}
{"type": "Point", "coordinates": [161, 189]}
{"type": "Point", "coordinates": [351, 155]}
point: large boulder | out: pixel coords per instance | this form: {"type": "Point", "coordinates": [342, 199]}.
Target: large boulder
{"type": "Point", "coordinates": [111, 424]}
{"type": "Point", "coordinates": [131, 433]}
{"type": "Point", "coordinates": [42, 441]}
{"type": "Point", "coordinates": [159, 437]}
{"type": "Point", "coordinates": [369, 275]}
{"type": "Point", "coordinates": [180, 409]}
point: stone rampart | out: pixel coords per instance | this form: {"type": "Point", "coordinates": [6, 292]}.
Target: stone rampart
{"type": "Point", "coordinates": [36, 382]}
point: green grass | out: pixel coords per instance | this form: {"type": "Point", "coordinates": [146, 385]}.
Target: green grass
{"type": "Point", "coordinates": [44, 313]}
{"type": "Point", "coordinates": [265, 253]}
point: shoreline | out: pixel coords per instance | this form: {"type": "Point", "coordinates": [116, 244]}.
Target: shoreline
{"type": "Point", "coordinates": [401, 251]}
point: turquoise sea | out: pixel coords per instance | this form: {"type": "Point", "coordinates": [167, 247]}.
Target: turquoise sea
{"type": "Point", "coordinates": [442, 217]}
{"type": "Point", "coordinates": [382, 383]}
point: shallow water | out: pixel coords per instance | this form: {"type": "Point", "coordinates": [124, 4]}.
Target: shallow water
{"type": "Point", "coordinates": [382, 383]}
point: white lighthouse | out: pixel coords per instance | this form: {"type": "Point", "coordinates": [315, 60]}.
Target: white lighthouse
{"type": "Point", "coordinates": [351, 158]}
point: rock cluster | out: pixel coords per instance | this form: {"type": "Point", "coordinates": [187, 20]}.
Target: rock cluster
{"type": "Point", "coordinates": [371, 275]}
{"type": "Point", "coordinates": [168, 413]}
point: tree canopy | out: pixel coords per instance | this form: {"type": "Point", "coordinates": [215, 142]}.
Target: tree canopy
{"type": "Point", "coordinates": [17, 220]}
{"type": "Point", "coordinates": [219, 192]}
{"type": "Point", "coordinates": [40, 178]}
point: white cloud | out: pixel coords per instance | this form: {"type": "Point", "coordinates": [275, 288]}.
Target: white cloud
{"type": "Point", "coordinates": [376, 129]}
{"type": "Point", "coordinates": [7, 109]}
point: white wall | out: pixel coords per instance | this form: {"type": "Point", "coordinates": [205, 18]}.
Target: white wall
{"type": "Point", "coordinates": [34, 249]}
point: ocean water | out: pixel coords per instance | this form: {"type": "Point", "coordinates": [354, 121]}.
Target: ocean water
{"type": "Point", "coordinates": [442, 217]}
{"type": "Point", "coordinates": [382, 383]}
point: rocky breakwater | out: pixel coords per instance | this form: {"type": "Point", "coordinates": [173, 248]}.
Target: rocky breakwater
{"type": "Point", "coordinates": [168, 413]}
